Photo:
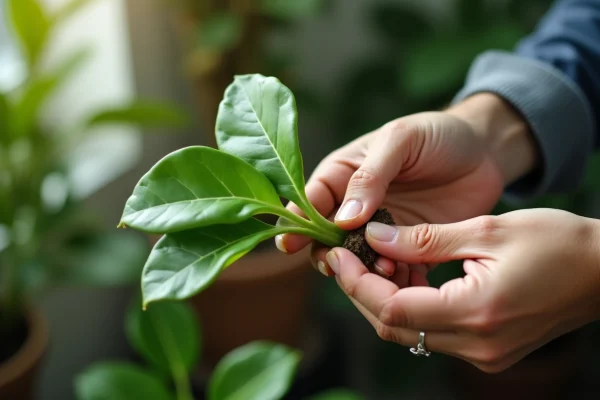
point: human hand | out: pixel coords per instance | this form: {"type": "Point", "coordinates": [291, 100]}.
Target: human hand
{"type": "Point", "coordinates": [531, 276]}
{"type": "Point", "coordinates": [431, 167]}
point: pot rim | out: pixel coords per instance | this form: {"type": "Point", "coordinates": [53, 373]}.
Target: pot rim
{"type": "Point", "coordinates": [31, 351]}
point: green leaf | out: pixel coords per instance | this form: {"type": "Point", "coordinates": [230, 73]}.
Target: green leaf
{"type": "Point", "coordinates": [286, 9]}
{"type": "Point", "coordinates": [142, 113]}
{"type": "Point", "coordinates": [338, 394]}
{"type": "Point", "coordinates": [32, 27]}
{"type": "Point", "coordinates": [119, 381]}
{"type": "Point", "coordinates": [68, 10]}
{"type": "Point", "coordinates": [439, 65]}
{"type": "Point", "coordinates": [257, 122]}
{"type": "Point", "coordinates": [195, 187]}
{"type": "Point", "coordinates": [106, 259]}
{"type": "Point", "coordinates": [4, 125]}
{"type": "Point", "coordinates": [182, 264]}
{"type": "Point", "coordinates": [167, 335]}
{"type": "Point", "coordinates": [26, 111]}
{"type": "Point", "coordinates": [221, 31]}
{"type": "Point", "coordinates": [255, 371]}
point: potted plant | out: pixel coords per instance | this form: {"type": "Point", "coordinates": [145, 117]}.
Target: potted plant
{"type": "Point", "coordinates": [167, 338]}
{"type": "Point", "coordinates": [45, 235]}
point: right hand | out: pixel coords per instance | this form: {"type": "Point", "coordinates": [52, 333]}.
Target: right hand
{"type": "Point", "coordinates": [434, 167]}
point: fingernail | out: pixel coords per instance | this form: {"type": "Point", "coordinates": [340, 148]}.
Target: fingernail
{"type": "Point", "coordinates": [324, 269]}
{"type": "Point", "coordinates": [380, 271]}
{"type": "Point", "coordinates": [381, 232]}
{"type": "Point", "coordinates": [333, 262]}
{"type": "Point", "coordinates": [349, 210]}
{"type": "Point", "coordinates": [279, 243]}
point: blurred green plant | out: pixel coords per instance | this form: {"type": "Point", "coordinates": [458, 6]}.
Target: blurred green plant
{"type": "Point", "coordinates": [168, 338]}
{"type": "Point", "coordinates": [45, 236]}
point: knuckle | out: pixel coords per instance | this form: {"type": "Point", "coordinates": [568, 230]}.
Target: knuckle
{"type": "Point", "coordinates": [364, 178]}
{"type": "Point", "coordinates": [484, 325]}
{"type": "Point", "coordinates": [423, 238]}
{"type": "Point", "coordinates": [492, 368]}
{"type": "Point", "coordinates": [350, 289]}
{"type": "Point", "coordinates": [489, 356]}
{"type": "Point", "coordinates": [385, 332]}
{"type": "Point", "coordinates": [485, 226]}
{"type": "Point", "coordinates": [387, 314]}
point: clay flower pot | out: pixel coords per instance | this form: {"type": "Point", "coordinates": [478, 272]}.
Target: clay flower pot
{"type": "Point", "coordinates": [18, 373]}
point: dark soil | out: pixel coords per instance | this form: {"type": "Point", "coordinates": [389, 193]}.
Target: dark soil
{"type": "Point", "coordinates": [13, 334]}
{"type": "Point", "coordinates": [356, 242]}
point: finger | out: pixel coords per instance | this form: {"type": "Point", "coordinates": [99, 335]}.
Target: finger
{"type": "Point", "coordinates": [367, 187]}
{"type": "Point", "coordinates": [420, 308]}
{"type": "Point", "coordinates": [418, 275]}
{"type": "Point", "coordinates": [433, 243]}
{"type": "Point", "coordinates": [384, 267]}
{"type": "Point", "coordinates": [449, 343]}
{"type": "Point", "coordinates": [325, 191]}
{"type": "Point", "coordinates": [401, 276]}
{"type": "Point", "coordinates": [317, 256]}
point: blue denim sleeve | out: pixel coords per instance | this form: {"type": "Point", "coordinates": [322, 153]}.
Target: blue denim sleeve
{"type": "Point", "coordinates": [553, 79]}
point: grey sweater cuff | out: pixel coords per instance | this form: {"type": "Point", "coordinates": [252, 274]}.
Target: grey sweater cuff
{"type": "Point", "coordinates": [557, 111]}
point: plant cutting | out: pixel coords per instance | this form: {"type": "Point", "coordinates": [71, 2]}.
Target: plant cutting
{"type": "Point", "coordinates": [206, 202]}
{"type": "Point", "coordinates": [168, 338]}
{"type": "Point", "coordinates": [46, 236]}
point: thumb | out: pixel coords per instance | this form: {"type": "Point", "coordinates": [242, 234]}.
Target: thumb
{"type": "Point", "coordinates": [368, 185]}
{"type": "Point", "coordinates": [431, 243]}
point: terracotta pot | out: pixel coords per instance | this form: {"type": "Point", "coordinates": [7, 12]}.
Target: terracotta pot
{"type": "Point", "coordinates": [262, 296]}
{"type": "Point", "coordinates": [18, 373]}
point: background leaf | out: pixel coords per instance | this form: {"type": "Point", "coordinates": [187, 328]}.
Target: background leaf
{"type": "Point", "coordinates": [221, 31]}
{"type": "Point", "coordinates": [198, 186]}
{"type": "Point", "coordinates": [338, 394]}
{"type": "Point", "coordinates": [286, 9]}
{"type": "Point", "coordinates": [68, 10]}
{"type": "Point", "coordinates": [255, 371]}
{"type": "Point", "coordinates": [4, 114]}
{"type": "Point", "coordinates": [167, 335]}
{"type": "Point", "coordinates": [143, 114]}
{"type": "Point", "coordinates": [257, 122]}
{"type": "Point", "coordinates": [182, 264]}
{"type": "Point", "coordinates": [119, 381]}
{"type": "Point", "coordinates": [31, 26]}
{"type": "Point", "coordinates": [399, 24]}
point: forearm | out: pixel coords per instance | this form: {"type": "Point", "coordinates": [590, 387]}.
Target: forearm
{"type": "Point", "coordinates": [505, 132]}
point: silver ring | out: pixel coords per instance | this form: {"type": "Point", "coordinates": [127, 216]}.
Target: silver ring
{"type": "Point", "coordinates": [420, 350]}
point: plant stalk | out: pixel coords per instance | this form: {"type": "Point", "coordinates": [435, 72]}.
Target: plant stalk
{"type": "Point", "coordinates": [326, 236]}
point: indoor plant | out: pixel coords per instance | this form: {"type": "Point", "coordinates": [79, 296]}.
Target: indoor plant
{"type": "Point", "coordinates": [168, 338]}
{"type": "Point", "coordinates": [45, 237]}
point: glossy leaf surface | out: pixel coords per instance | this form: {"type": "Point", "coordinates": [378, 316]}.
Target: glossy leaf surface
{"type": "Point", "coordinates": [257, 122]}
{"type": "Point", "coordinates": [182, 264]}
{"type": "Point", "coordinates": [119, 381]}
{"type": "Point", "coordinates": [195, 187]}
{"type": "Point", "coordinates": [256, 371]}
{"type": "Point", "coordinates": [167, 335]}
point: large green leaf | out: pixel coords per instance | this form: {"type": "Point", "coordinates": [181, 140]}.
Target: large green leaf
{"type": "Point", "coordinates": [142, 113]}
{"type": "Point", "coordinates": [26, 111]}
{"type": "Point", "coordinates": [31, 25]}
{"type": "Point", "coordinates": [289, 10]}
{"type": "Point", "coordinates": [167, 335]}
{"type": "Point", "coordinates": [255, 371]}
{"type": "Point", "coordinates": [338, 394]}
{"type": "Point", "coordinates": [119, 381]}
{"type": "Point", "coordinates": [182, 264]}
{"type": "Point", "coordinates": [4, 125]}
{"type": "Point", "coordinates": [257, 122]}
{"type": "Point", "coordinates": [221, 31]}
{"type": "Point", "coordinates": [195, 187]}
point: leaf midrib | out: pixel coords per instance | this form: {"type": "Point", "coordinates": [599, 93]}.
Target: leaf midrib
{"type": "Point", "coordinates": [248, 199]}
{"type": "Point", "coordinates": [270, 142]}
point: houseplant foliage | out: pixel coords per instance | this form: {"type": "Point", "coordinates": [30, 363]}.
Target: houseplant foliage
{"type": "Point", "coordinates": [168, 339]}
{"type": "Point", "coordinates": [45, 237]}
{"type": "Point", "coordinates": [206, 201]}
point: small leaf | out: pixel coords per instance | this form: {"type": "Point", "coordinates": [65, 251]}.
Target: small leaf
{"type": "Point", "coordinates": [198, 186]}
{"type": "Point", "coordinates": [221, 31]}
{"type": "Point", "coordinates": [31, 25]}
{"type": "Point", "coordinates": [288, 10]}
{"type": "Point", "coordinates": [119, 381]}
{"type": "Point", "coordinates": [167, 335]}
{"type": "Point", "coordinates": [338, 394]}
{"type": "Point", "coordinates": [257, 122]}
{"type": "Point", "coordinates": [143, 114]}
{"type": "Point", "coordinates": [182, 264]}
{"type": "Point", "coordinates": [68, 10]}
{"type": "Point", "coordinates": [255, 371]}
{"type": "Point", "coordinates": [39, 90]}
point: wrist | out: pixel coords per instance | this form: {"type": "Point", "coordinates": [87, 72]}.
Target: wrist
{"type": "Point", "coordinates": [504, 131]}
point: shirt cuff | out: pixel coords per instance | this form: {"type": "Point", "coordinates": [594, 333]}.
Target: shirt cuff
{"type": "Point", "coordinates": [556, 110]}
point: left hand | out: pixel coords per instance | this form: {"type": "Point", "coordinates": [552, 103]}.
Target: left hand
{"type": "Point", "coordinates": [531, 276]}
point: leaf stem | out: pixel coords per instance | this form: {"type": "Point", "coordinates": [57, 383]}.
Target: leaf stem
{"type": "Point", "coordinates": [333, 238]}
